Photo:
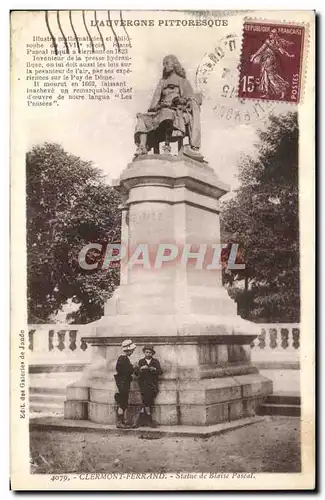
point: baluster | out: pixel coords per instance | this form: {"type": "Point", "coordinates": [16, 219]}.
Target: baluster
{"type": "Point", "coordinates": [273, 338]}
{"type": "Point", "coordinates": [61, 339]}
{"type": "Point", "coordinates": [72, 339]}
{"type": "Point", "coordinates": [254, 343]}
{"type": "Point", "coordinates": [285, 338]}
{"type": "Point", "coordinates": [296, 338]}
{"type": "Point", "coordinates": [83, 344]}
{"type": "Point", "coordinates": [261, 339]}
{"type": "Point", "coordinates": [51, 335]}
{"type": "Point", "coordinates": [31, 339]}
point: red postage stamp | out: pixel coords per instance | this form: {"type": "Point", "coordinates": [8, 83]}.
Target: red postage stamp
{"type": "Point", "coordinates": [271, 62]}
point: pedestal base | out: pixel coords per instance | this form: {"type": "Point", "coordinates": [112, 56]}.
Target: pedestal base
{"type": "Point", "coordinates": [207, 402]}
{"type": "Point", "coordinates": [204, 383]}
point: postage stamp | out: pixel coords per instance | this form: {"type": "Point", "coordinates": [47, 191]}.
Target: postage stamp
{"type": "Point", "coordinates": [271, 62]}
{"type": "Point", "coordinates": [217, 79]}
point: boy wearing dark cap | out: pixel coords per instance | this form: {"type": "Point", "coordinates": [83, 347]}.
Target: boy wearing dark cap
{"type": "Point", "coordinates": [148, 371]}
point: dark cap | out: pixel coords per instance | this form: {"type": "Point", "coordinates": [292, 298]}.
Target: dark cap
{"type": "Point", "coordinates": [149, 348]}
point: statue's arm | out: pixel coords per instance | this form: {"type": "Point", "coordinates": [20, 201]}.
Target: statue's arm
{"type": "Point", "coordinates": [187, 89]}
{"type": "Point", "coordinates": [259, 51]}
{"type": "Point", "coordinates": [189, 94]}
{"type": "Point", "coordinates": [156, 96]}
{"type": "Point", "coordinates": [285, 52]}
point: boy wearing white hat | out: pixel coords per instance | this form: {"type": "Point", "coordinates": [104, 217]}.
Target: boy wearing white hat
{"type": "Point", "coordinates": [123, 378]}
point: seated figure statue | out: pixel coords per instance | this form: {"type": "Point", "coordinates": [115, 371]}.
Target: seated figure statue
{"type": "Point", "coordinates": [174, 112]}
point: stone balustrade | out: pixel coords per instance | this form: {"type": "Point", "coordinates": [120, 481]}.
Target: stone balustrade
{"type": "Point", "coordinates": [278, 344]}
{"type": "Point", "coordinates": [58, 344]}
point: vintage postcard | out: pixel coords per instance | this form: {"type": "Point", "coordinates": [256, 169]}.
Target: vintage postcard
{"type": "Point", "coordinates": [162, 251]}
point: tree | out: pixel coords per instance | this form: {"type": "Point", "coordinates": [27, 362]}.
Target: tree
{"type": "Point", "coordinates": [263, 219]}
{"type": "Point", "coordinates": [68, 206]}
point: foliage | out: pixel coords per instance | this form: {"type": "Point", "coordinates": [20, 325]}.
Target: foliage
{"type": "Point", "coordinates": [263, 219]}
{"type": "Point", "coordinates": [68, 206]}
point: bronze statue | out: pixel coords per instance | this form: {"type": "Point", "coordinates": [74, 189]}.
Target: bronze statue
{"type": "Point", "coordinates": [174, 113]}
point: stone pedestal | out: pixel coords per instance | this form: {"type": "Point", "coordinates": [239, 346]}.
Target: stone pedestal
{"type": "Point", "coordinates": [179, 306]}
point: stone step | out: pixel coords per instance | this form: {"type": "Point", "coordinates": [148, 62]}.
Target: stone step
{"type": "Point", "coordinates": [45, 414]}
{"type": "Point", "coordinates": [280, 409]}
{"type": "Point", "coordinates": [53, 379]}
{"type": "Point", "coordinates": [58, 369]}
{"type": "Point", "coordinates": [47, 407]}
{"type": "Point", "coordinates": [283, 399]}
{"type": "Point", "coordinates": [47, 398]}
{"type": "Point", "coordinates": [47, 390]}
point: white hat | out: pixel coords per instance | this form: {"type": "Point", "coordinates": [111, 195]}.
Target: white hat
{"type": "Point", "coordinates": [127, 345]}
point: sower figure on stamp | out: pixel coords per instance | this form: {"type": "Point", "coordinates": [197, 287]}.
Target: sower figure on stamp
{"type": "Point", "coordinates": [174, 112]}
{"type": "Point", "coordinates": [271, 83]}
{"type": "Point", "coordinates": [148, 371]}
{"type": "Point", "coordinates": [123, 378]}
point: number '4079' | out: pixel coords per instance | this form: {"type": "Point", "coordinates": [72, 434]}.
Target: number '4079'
{"type": "Point", "coordinates": [247, 83]}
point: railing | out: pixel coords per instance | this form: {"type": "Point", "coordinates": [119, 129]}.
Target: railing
{"type": "Point", "coordinates": [278, 343]}
{"type": "Point", "coordinates": [61, 343]}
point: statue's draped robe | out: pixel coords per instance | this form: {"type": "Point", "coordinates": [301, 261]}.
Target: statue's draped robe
{"type": "Point", "coordinates": [184, 116]}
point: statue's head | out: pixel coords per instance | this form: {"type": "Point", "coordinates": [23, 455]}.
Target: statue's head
{"type": "Point", "coordinates": [170, 64]}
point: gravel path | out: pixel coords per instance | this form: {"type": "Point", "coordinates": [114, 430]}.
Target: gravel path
{"type": "Point", "coordinates": [269, 446]}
